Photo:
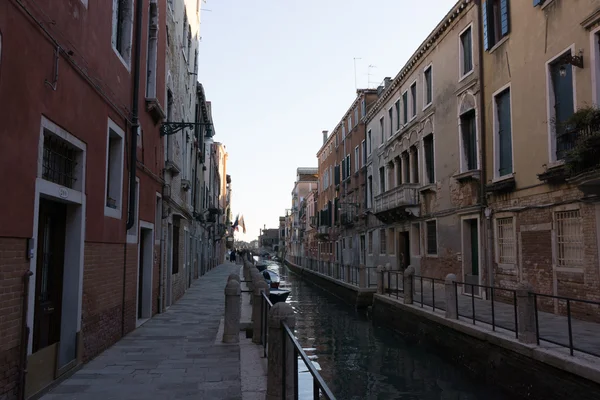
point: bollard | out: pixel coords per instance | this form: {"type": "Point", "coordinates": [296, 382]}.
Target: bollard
{"type": "Point", "coordinates": [256, 311]}
{"type": "Point", "coordinates": [408, 283]}
{"type": "Point", "coordinates": [233, 276]}
{"type": "Point", "coordinates": [526, 313]}
{"type": "Point", "coordinates": [451, 297]}
{"type": "Point", "coordinates": [362, 276]}
{"type": "Point", "coordinates": [231, 331]}
{"type": "Point", "coordinates": [280, 312]}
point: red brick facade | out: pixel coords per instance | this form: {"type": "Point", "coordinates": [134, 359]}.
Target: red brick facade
{"type": "Point", "coordinates": [93, 86]}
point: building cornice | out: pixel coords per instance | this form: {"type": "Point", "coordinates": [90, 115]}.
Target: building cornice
{"type": "Point", "coordinates": [423, 49]}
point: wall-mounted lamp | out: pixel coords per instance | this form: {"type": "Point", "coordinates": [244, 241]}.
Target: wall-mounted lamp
{"type": "Point", "coordinates": [568, 59]}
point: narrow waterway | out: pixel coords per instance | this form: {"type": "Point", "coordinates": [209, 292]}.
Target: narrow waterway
{"type": "Point", "coordinates": [361, 361]}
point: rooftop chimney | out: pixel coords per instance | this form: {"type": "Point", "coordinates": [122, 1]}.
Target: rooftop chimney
{"type": "Point", "coordinates": [325, 136]}
{"type": "Point", "coordinates": [386, 82]}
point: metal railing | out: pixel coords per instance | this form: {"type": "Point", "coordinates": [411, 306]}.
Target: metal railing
{"type": "Point", "coordinates": [565, 305]}
{"type": "Point", "coordinates": [511, 300]}
{"type": "Point", "coordinates": [425, 282]}
{"type": "Point", "coordinates": [320, 388]}
{"type": "Point", "coordinates": [394, 283]}
{"type": "Point", "coordinates": [265, 306]}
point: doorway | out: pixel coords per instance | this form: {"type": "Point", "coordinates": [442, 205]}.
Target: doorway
{"type": "Point", "coordinates": [47, 313]}
{"type": "Point", "coordinates": [471, 256]}
{"type": "Point", "coordinates": [145, 266]}
{"type": "Point", "coordinates": [403, 250]}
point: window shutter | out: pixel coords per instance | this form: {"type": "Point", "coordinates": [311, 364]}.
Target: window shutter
{"type": "Point", "coordinates": [504, 16]}
{"type": "Point", "coordinates": [486, 45]}
{"type": "Point", "coordinates": [537, 2]}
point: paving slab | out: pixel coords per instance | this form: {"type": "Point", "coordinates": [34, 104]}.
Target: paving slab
{"type": "Point", "coordinates": [175, 355]}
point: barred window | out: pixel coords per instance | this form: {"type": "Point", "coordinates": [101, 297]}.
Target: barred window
{"type": "Point", "coordinates": [59, 161]}
{"type": "Point", "coordinates": [382, 241]}
{"type": "Point", "coordinates": [507, 249]}
{"type": "Point", "coordinates": [569, 238]}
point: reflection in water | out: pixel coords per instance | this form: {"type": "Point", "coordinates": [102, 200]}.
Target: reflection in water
{"type": "Point", "coordinates": [360, 361]}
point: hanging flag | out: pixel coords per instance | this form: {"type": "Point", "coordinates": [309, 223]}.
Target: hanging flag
{"type": "Point", "coordinates": [243, 224]}
{"type": "Point", "coordinates": [235, 224]}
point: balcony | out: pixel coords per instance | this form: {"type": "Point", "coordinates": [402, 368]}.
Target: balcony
{"type": "Point", "coordinates": [391, 205]}
{"type": "Point", "coordinates": [579, 146]}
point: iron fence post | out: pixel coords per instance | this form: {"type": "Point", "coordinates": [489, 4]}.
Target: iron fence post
{"type": "Point", "coordinates": [516, 318]}
{"type": "Point", "coordinates": [433, 293]}
{"type": "Point", "coordinates": [456, 299]}
{"type": "Point", "coordinates": [493, 313]}
{"type": "Point", "coordinates": [537, 324]}
{"type": "Point", "coordinates": [473, 301]}
{"type": "Point", "coordinates": [421, 279]}
{"type": "Point", "coordinates": [569, 325]}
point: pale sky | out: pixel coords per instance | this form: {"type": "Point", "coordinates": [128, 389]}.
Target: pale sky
{"type": "Point", "coordinates": [279, 72]}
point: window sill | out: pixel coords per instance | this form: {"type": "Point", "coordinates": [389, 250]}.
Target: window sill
{"type": "Point", "coordinates": [468, 74]}
{"type": "Point", "coordinates": [431, 256]}
{"type": "Point", "coordinates": [125, 63]}
{"type": "Point", "coordinates": [546, 4]}
{"type": "Point", "coordinates": [426, 106]}
{"type": "Point", "coordinates": [507, 267]}
{"type": "Point", "coordinates": [503, 178]}
{"type": "Point", "coordinates": [573, 270]}
{"type": "Point", "coordinates": [112, 212]}
{"type": "Point", "coordinates": [468, 175]}
{"type": "Point", "coordinates": [499, 44]}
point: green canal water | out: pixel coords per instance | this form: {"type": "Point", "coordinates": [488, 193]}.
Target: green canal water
{"type": "Point", "coordinates": [361, 361]}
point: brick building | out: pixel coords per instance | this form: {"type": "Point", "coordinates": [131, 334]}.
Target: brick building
{"type": "Point", "coordinates": [76, 107]}
{"type": "Point", "coordinates": [342, 183]}
{"type": "Point", "coordinates": [543, 57]}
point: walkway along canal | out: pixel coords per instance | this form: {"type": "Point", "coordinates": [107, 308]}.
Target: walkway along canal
{"type": "Point", "coordinates": [518, 365]}
{"type": "Point", "coordinates": [359, 360]}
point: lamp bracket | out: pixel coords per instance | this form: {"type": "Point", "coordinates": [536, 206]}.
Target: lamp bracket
{"type": "Point", "coordinates": [170, 128]}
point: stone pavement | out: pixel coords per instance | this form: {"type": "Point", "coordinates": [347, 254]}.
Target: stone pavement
{"type": "Point", "coordinates": [172, 356]}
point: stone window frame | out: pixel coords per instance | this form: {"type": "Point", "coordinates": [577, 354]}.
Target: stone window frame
{"type": "Point", "coordinates": [461, 73]}
{"type": "Point", "coordinates": [553, 161]}
{"type": "Point", "coordinates": [124, 57]}
{"type": "Point", "coordinates": [437, 239]}
{"type": "Point", "coordinates": [382, 241]}
{"type": "Point", "coordinates": [554, 236]}
{"type": "Point", "coordinates": [114, 168]}
{"type": "Point", "coordinates": [595, 63]}
{"type": "Point", "coordinates": [496, 126]}
{"type": "Point", "coordinates": [429, 68]}
{"type": "Point", "coordinates": [516, 235]}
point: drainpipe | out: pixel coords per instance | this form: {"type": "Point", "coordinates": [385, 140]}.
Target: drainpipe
{"type": "Point", "coordinates": [482, 197]}
{"type": "Point", "coordinates": [134, 132]}
{"type": "Point", "coordinates": [24, 336]}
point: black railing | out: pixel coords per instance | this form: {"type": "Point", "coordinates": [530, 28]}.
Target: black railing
{"type": "Point", "coordinates": [568, 139]}
{"type": "Point", "coordinates": [394, 283]}
{"type": "Point", "coordinates": [565, 305]}
{"type": "Point", "coordinates": [265, 306]}
{"type": "Point", "coordinates": [508, 310]}
{"type": "Point", "coordinates": [320, 388]}
{"type": "Point", "coordinates": [435, 302]}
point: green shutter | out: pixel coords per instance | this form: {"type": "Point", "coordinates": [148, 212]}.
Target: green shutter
{"type": "Point", "coordinates": [504, 133]}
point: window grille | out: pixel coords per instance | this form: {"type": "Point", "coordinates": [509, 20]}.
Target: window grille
{"type": "Point", "coordinates": [507, 250]}
{"type": "Point", "coordinates": [569, 238]}
{"type": "Point", "coordinates": [59, 161]}
{"type": "Point", "coordinates": [382, 242]}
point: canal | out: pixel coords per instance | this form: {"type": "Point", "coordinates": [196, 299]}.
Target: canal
{"type": "Point", "coordinates": [361, 361]}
